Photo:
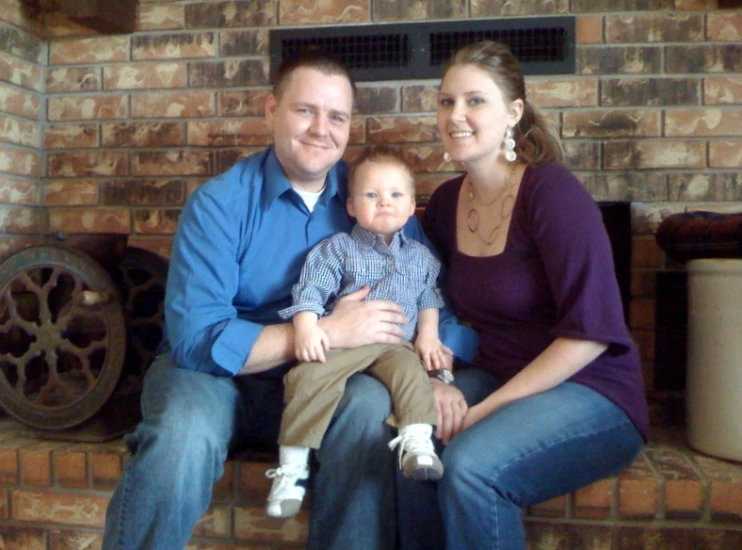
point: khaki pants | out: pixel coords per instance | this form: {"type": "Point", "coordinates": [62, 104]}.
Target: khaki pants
{"type": "Point", "coordinates": [313, 390]}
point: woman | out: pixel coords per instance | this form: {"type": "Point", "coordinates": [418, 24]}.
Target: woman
{"type": "Point", "coordinates": [554, 400]}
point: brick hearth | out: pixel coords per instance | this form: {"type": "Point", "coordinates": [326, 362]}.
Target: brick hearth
{"type": "Point", "coordinates": [53, 496]}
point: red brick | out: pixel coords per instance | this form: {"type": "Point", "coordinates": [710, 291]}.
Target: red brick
{"type": "Point", "coordinates": [70, 193]}
{"type": "Point", "coordinates": [695, 4]}
{"type": "Point", "coordinates": [645, 154]}
{"type": "Point", "coordinates": [22, 538]}
{"type": "Point", "coordinates": [70, 468]}
{"type": "Point", "coordinates": [56, 25]}
{"type": "Point", "coordinates": [589, 29]}
{"type": "Point", "coordinates": [253, 487]}
{"type": "Point", "coordinates": [9, 474]}
{"type": "Point", "coordinates": [63, 508]}
{"type": "Point", "coordinates": [726, 488]}
{"type": "Point", "coordinates": [75, 51]}
{"type": "Point", "coordinates": [566, 93]}
{"type": "Point", "coordinates": [372, 100]}
{"type": "Point", "coordinates": [401, 129]}
{"type": "Point", "coordinates": [20, 132]}
{"type": "Point", "coordinates": [718, 90]}
{"type": "Point", "coordinates": [18, 191]}
{"type": "Point", "coordinates": [72, 79]}
{"type": "Point", "coordinates": [71, 136]}
{"type": "Point", "coordinates": [172, 105]}
{"type": "Point", "coordinates": [158, 245]}
{"type": "Point", "coordinates": [10, 244]}
{"type": "Point", "coordinates": [725, 154]}
{"type": "Point", "coordinates": [419, 99]}
{"type": "Point", "coordinates": [244, 42]}
{"type": "Point", "coordinates": [229, 132]}
{"type": "Point", "coordinates": [172, 163]}
{"type": "Point", "coordinates": [643, 283]}
{"type": "Point", "coordinates": [19, 219]}
{"type": "Point", "coordinates": [21, 73]}
{"type": "Point", "coordinates": [638, 493]}
{"type": "Point", "coordinates": [386, 10]}
{"type": "Point", "coordinates": [78, 107]}
{"type": "Point", "coordinates": [237, 13]}
{"type": "Point", "coordinates": [105, 469]}
{"type": "Point", "coordinates": [142, 134]}
{"type": "Point", "coordinates": [683, 488]}
{"type": "Point", "coordinates": [224, 488]}
{"type": "Point", "coordinates": [151, 18]}
{"type": "Point", "coordinates": [596, 500]}
{"type": "Point", "coordinates": [252, 523]}
{"type": "Point", "coordinates": [173, 46]}
{"type": "Point", "coordinates": [426, 158]}
{"type": "Point", "coordinates": [703, 122]}
{"type": "Point", "coordinates": [299, 12]}
{"type": "Point", "coordinates": [36, 466]}
{"type": "Point", "coordinates": [242, 103]}
{"type": "Point", "coordinates": [75, 540]}
{"type": "Point", "coordinates": [20, 163]}
{"type": "Point", "coordinates": [147, 77]}
{"type": "Point", "coordinates": [611, 123]}
{"type": "Point", "coordinates": [671, 27]}
{"type": "Point", "coordinates": [554, 508]}
{"type": "Point", "coordinates": [19, 102]}
{"type": "Point", "coordinates": [156, 221]}
{"type": "Point", "coordinates": [216, 522]}
{"type": "Point", "coordinates": [87, 220]}
{"type": "Point", "coordinates": [726, 27]}
{"type": "Point", "coordinates": [91, 164]}
{"type": "Point", "coordinates": [646, 253]}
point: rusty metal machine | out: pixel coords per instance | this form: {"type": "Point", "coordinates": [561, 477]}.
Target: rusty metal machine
{"type": "Point", "coordinates": [80, 318]}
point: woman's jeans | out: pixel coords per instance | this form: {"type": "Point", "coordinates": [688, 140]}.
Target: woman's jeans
{"type": "Point", "coordinates": [527, 452]}
{"type": "Point", "coordinates": [191, 421]}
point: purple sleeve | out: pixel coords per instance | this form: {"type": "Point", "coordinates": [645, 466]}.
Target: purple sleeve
{"type": "Point", "coordinates": [572, 241]}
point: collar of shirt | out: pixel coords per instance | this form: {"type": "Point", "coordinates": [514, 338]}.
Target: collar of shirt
{"type": "Point", "coordinates": [276, 183]}
{"type": "Point", "coordinates": [367, 238]}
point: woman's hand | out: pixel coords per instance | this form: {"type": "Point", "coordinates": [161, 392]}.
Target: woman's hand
{"type": "Point", "coordinates": [450, 407]}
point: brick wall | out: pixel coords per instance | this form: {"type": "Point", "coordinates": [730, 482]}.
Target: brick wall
{"type": "Point", "coordinates": [112, 132]}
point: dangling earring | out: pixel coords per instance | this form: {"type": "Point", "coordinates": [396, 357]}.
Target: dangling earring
{"type": "Point", "coordinates": [447, 156]}
{"type": "Point", "coordinates": [510, 146]}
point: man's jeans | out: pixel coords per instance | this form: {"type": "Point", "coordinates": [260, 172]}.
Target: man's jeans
{"type": "Point", "coordinates": [192, 419]}
{"type": "Point", "coordinates": [527, 452]}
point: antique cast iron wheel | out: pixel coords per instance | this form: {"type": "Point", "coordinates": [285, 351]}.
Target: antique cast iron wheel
{"type": "Point", "coordinates": [62, 336]}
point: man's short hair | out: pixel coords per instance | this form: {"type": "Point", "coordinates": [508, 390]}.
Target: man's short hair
{"type": "Point", "coordinates": [380, 154]}
{"type": "Point", "coordinates": [311, 58]}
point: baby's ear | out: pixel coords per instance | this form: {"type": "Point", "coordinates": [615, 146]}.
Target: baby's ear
{"type": "Point", "coordinates": [350, 207]}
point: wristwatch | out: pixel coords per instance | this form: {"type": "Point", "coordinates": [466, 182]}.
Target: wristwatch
{"type": "Point", "coordinates": [444, 375]}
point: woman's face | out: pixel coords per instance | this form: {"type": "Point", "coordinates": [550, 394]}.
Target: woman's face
{"type": "Point", "coordinates": [473, 115]}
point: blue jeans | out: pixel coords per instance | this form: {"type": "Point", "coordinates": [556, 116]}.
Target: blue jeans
{"type": "Point", "coordinates": [530, 451]}
{"type": "Point", "coordinates": [191, 420]}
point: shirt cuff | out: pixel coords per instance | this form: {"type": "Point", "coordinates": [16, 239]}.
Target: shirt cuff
{"type": "Point", "coordinates": [289, 312]}
{"type": "Point", "coordinates": [233, 346]}
{"type": "Point", "coordinates": [430, 299]}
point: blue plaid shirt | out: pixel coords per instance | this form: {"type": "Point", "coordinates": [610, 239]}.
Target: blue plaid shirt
{"type": "Point", "coordinates": [404, 272]}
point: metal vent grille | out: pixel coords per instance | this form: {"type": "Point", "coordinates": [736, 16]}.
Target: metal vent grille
{"type": "Point", "coordinates": [418, 50]}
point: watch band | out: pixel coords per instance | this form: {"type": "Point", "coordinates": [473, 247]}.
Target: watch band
{"type": "Point", "coordinates": [444, 375]}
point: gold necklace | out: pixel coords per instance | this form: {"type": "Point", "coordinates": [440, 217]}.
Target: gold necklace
{"type": "Point", "coordinates": [472, 217]}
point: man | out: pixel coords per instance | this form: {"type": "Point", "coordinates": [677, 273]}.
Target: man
{"type": "Point", "coordinates": [241, 241]}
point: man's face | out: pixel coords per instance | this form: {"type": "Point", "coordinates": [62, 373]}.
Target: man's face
{"type": "Point", "coordinates": [311, 125]}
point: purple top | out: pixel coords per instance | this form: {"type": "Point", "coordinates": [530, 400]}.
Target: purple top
{"type": "Point", "coordinates": [555, 278]}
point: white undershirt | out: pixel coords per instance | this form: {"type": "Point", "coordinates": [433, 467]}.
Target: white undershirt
{"type": "Point", "coordinates": [310, 198]}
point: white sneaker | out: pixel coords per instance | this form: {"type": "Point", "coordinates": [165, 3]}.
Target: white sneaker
{"type": "Point", "coordinates": [417, 458]}
{"type": "Point", "coordinates": [287, 490]}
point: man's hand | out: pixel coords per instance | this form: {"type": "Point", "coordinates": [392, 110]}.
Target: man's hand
{"type": "Point", "coordinates": [451, 408]}
{"type": "Point", "coordinates": [355, 322]}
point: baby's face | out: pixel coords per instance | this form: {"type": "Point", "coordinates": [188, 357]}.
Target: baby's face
{"type": "Point", "coordinates": [381, 198]}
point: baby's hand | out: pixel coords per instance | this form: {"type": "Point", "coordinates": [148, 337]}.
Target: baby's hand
{"type": "Point", "coordinates": [311, 345]}
{"type": "Point", "coordinates": [431, 352]}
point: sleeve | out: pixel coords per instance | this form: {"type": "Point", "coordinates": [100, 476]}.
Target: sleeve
{"type": "Point", "coordinates": [203, 329]}
{"type": "Point", "coordinates": [573, 244]}
{"type": "Point", "coordinates": [462, 340]}
{"type": "Point", "coordinates": [431, 296]}
{"type": "Point", "coordinates": [320, 278]}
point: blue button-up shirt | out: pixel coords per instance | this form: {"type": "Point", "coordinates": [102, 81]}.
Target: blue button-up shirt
{"type": "Point", "coordinates": [405, 272]}
{"type": "Point", "coordinates": [241, 242]}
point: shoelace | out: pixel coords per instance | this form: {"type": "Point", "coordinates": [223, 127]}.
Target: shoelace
{"type": "Point", "coordinates": [287, 470]}
{"type": "Point", "coordinates": [410, 443]}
